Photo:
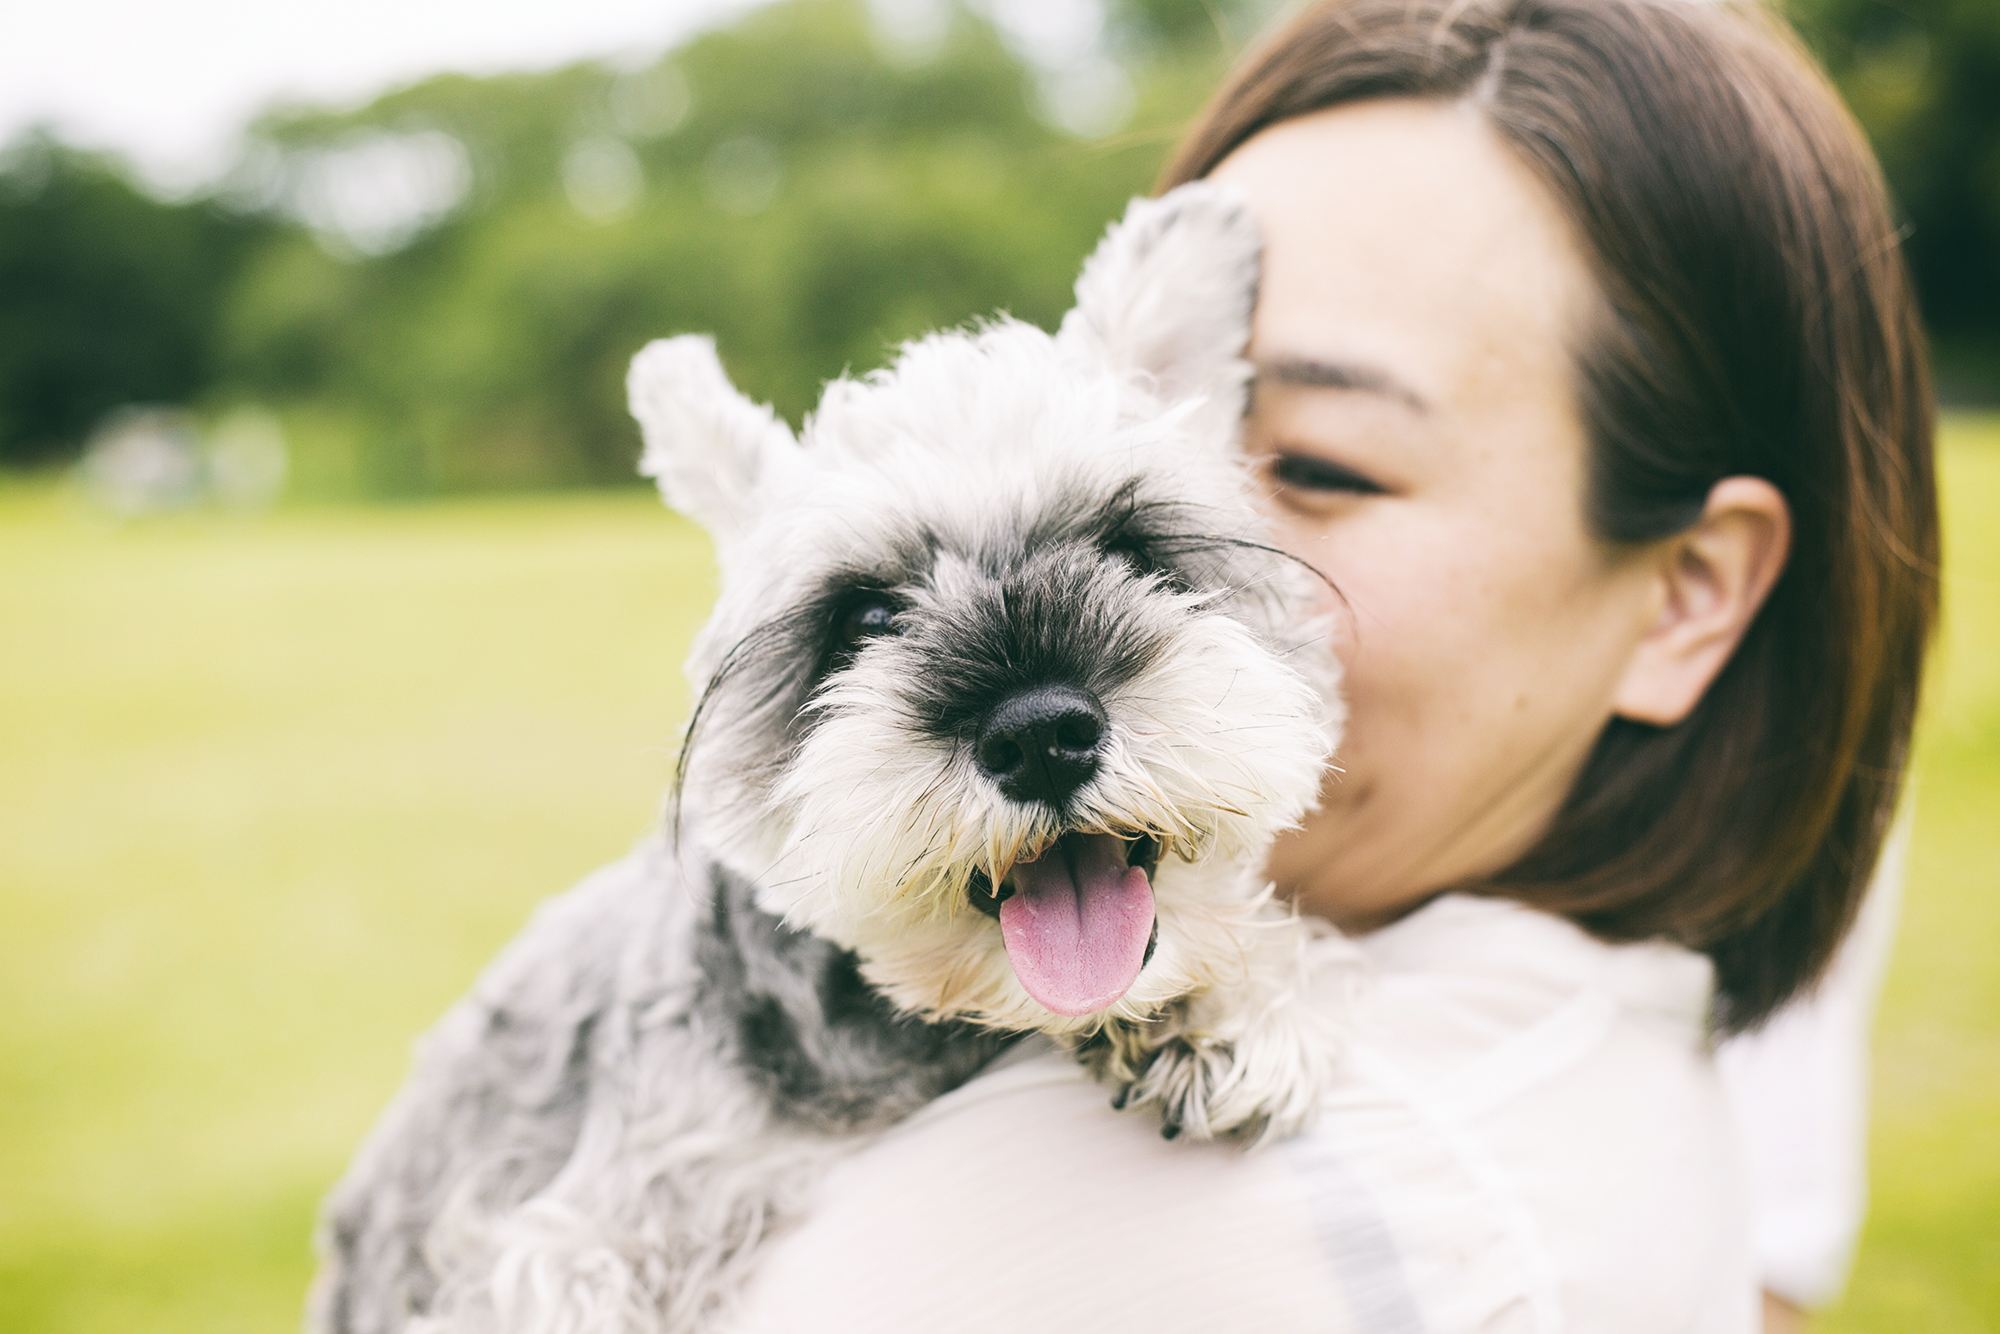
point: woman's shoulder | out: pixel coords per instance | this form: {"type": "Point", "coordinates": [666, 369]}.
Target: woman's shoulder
{"type": "Point", "coordinates": [1476, 1000]}
{"type": "Point", "coordinates": [1508, 1067]}
{"type": "Point", "coordinates": [1023, 1201]}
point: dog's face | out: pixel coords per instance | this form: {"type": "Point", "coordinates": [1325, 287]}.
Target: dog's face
{"type": "Point", "coordinates": [1003, 689]}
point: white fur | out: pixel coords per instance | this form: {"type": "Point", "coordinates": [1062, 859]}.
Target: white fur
{"type": "Point", "coordinates": [977, 469]}
{"type": "Point", "coordinates": [680, 395]}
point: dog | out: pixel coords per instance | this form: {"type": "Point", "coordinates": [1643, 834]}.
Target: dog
{"type": "Point", "coordinates": [1004, 696]}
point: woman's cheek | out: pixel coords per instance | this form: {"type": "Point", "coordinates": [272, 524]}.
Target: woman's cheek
{"type": "Point", "coordinates": [1406, 590]}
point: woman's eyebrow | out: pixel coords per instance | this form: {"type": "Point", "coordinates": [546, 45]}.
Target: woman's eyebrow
{"type": "Point", "coordinates": [1315, 374]}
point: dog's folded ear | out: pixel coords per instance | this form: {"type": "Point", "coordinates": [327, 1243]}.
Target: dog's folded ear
{"type": "Point", "coordinates": [710, 449]}
{"type": "Point", "coordinates": [1168, 294]}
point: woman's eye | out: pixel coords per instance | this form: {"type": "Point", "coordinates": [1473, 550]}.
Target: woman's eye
{"type": "Point", "coordinates": [870, 616]}
{"type": "Point", "coordinates": [1307, 472]}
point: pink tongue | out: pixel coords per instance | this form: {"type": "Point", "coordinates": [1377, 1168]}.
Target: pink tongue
{"type": "Point", "coordinates": [1078, 922]}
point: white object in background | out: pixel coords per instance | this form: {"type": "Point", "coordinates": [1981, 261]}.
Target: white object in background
{"type": "Point", "coordinates": [1798, 1087]}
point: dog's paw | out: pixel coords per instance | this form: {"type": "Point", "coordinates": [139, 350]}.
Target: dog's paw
{"type": "Point", "coordinates": [1187, 1081]}
{"type": "Point", "coordinates": [1225, 1065]}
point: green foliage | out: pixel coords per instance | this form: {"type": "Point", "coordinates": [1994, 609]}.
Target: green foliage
{"type": "Point", "coordinates": [1923, 76]}
{"type": "Point", "coordinates": [110, 297]}
{"type": "Point", "coordinates": [797, 184]}
{"type": "Point", "coordinates": [811, 202]}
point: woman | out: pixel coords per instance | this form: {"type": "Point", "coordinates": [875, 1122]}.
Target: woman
{"type": "Point", "coordinates": [1588, 373]}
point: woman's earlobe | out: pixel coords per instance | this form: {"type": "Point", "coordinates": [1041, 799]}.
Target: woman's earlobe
{"type": "Point", "coordinates": [1712, 580]}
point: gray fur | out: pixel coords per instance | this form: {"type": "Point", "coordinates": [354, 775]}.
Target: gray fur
{"type": "Point", "coordinates": [826, 1048]}
{"type": "Point", "coordinates": [497, 1099]}
{"type": "Point", "coordinates": [655, 1074]}
{"type": "Point", "coordinates": [493, 1106]}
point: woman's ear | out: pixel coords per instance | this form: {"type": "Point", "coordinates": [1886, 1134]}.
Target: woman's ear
{"type": "Point", "coordinates": [1711, 581]}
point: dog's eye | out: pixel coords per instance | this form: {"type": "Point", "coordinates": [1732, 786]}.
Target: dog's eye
{"type": "Point", "coordinates": [869, 615]}
{"type": "Point", "coordinates": [1144, 561]}
{"type": "Point", "coordinates": [1133, 553]}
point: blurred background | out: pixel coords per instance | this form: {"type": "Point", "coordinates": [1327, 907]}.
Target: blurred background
{"type": "Point", "coordinates": [336, 631]}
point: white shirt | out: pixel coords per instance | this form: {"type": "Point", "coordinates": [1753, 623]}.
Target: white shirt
{"type": "Point", "coordinates": [1528, 1134]}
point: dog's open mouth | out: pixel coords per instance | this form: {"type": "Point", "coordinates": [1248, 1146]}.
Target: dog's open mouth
{"type": "Point", "coordinates": [1078, 920]}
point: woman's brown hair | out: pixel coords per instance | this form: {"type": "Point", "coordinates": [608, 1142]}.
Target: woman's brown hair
{"type": "Point", "coordinates": [1757, 320]}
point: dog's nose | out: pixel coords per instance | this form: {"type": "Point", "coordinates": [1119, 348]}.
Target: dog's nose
{"type": "Point", "coordinates": [1041, 744]}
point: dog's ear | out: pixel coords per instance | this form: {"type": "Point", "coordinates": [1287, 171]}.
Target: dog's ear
{"type": "Point", "coordinates": [710, 449]}
{"type": "Point", "coordinates": [1169, 291]}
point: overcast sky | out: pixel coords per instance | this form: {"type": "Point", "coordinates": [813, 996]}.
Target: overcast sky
{"type": "Point", "coordinates": [170, 82]}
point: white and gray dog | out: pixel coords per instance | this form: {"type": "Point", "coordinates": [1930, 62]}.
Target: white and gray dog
{"type": "Point", "coordinates": [1002, 701]}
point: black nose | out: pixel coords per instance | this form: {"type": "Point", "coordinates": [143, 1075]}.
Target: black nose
{"type": "Point", "coordinates": [1041, 744]}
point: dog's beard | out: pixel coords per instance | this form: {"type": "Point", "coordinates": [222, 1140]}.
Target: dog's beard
{"type": "Point", "coordinates": [852, 793]}
{"type": "Point", "coordinates": [1072, 889]}
{"type": "Point", "coordinates": [893, 842]}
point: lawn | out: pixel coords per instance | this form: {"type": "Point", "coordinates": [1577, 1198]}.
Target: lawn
{"type": "Point", "coordinates": [276, 787]}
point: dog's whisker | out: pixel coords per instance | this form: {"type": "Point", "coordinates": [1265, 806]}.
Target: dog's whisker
{"type": "Point", "coordinates": [1000, 704]}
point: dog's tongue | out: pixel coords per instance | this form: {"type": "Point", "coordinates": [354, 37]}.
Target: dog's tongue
{"type": "Point", "coordinates": [1077, 924]}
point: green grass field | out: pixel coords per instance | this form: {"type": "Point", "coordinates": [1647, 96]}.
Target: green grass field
{"type": "Point", "coordinates": [275, 788]}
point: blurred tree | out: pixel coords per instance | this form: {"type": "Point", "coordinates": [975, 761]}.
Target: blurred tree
{"type": "Point", "coordinates": [441, 290]}
{"type": "Point", "coordinates": [107, 296]}
{"type": "Point", "coordinates": [1190, 26]}
{"type": "Point", "coordinates": [1923, 77]}
{"type": "Point", "coordinates": [795, 185]}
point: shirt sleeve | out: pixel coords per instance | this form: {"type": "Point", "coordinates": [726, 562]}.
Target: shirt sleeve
{"type": "Point", "coordinates": [1798, 1090]}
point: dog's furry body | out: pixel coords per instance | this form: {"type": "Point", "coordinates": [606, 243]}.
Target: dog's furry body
{"type": "Point", "coordinates": [657, 1071]}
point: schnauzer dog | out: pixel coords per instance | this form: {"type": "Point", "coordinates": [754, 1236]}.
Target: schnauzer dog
{"type": "Point", "coordinates": [1002, 701]}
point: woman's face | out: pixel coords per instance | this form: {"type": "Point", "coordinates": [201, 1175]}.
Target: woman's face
{"type": "Point", "coordinates": [1416, 418]}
